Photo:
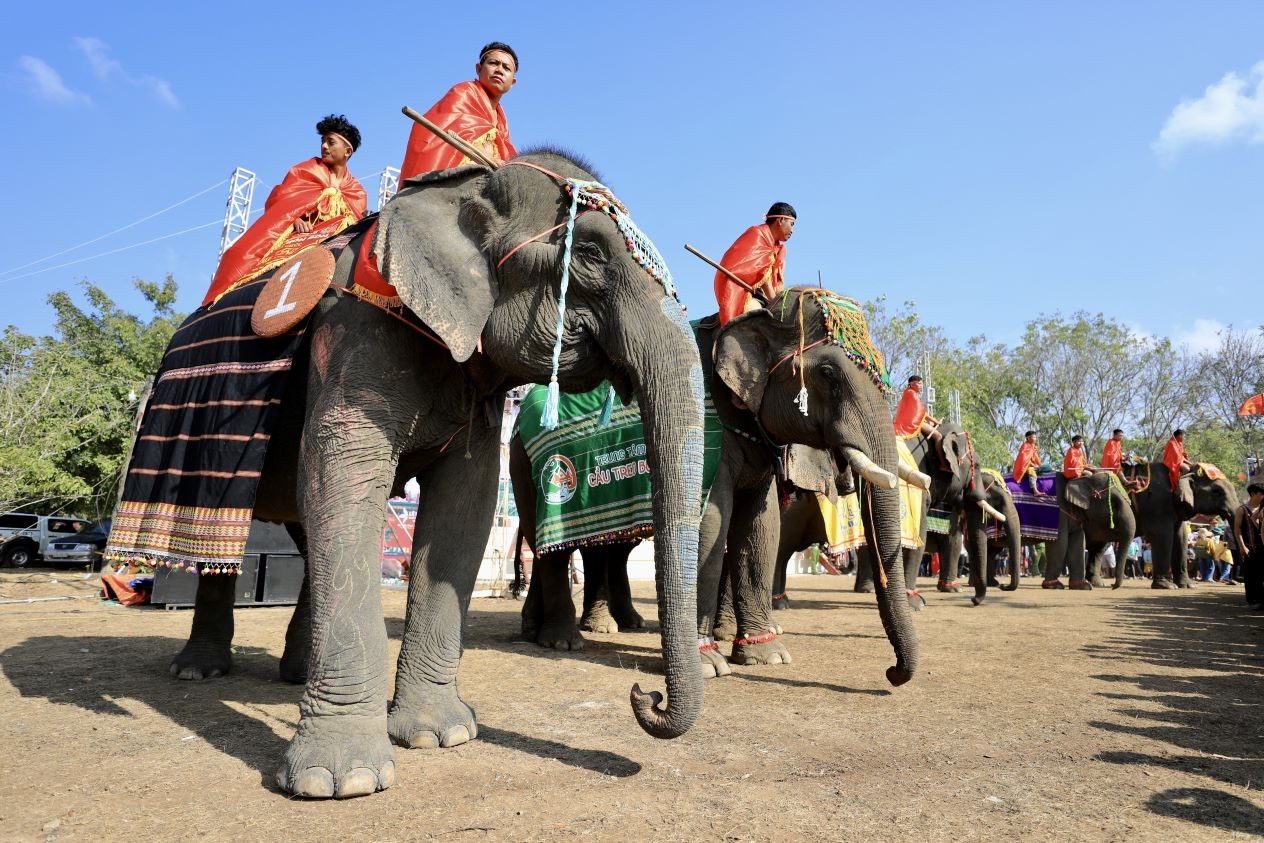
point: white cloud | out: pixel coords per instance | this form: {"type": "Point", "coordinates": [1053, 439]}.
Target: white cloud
{"type": "Point", "coordinates": [1229, 110]}
{"type": "Point", "coordinates": [97, 52]}
{"type": "Point", "coordinates": [1203, 336]}
{"type": "Point", "coordinates": [45, 83]}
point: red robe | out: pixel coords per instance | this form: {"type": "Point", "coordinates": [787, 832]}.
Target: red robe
{"type": "Point", "coordinates": [1027, 458]}
{"type": "Point", "coordinates": [1113, 455]}
{"type": "Point", "coordinates": [758, 259]}
{"type": "Point", "coordinates": [909, 415]}
{"type": "Point", "coordinates": [270, 241]}
{"type": "Point", "coordinates": [467, 111]}
{"type": "Point", "coordinates": [1073, 462]}
{"type": "Point", "coordinates": [1173, 457]}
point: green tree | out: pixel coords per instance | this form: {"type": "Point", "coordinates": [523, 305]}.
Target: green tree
{"type": "Point", "coordinates": [68, 401]}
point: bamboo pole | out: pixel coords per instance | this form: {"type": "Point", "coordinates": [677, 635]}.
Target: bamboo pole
{"type": "Point", "coordinates": [738, 281]}
{"type": "Point", "coordinates": [465, 147]}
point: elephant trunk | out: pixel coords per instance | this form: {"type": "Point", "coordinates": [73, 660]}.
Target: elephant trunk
{"type": "Point", "coordinates": [663, 361]}
{"type": "Point", "coordinates": [975, 538]}
{"type": "Point", "coordinates": [880, 513]}
{"type": "Point", "coordinates": [1014, 538]}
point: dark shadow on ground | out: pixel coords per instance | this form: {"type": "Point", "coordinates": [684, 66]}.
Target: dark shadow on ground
{"type": "Point", "coordinates": [596, 760]}
{"type": "Point", "coordinates": [807, 683]}
{"type": "Point", "coordinates": [1207, 711]}
{"type": "Point", "coordinates": [91, 672]}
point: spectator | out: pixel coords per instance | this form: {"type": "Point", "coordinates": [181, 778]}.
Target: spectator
{"type": "Point", "coordinates": [1132, 559]}
{"type": "Point", "coordinates": [1108, 560]}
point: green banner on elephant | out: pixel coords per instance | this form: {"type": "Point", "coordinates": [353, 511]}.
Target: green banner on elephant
{"type": "Point", "coordinates": [592, 482]}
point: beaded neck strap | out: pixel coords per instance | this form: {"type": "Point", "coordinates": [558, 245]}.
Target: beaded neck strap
{"type": "Point", "coordinates": [594, 196]}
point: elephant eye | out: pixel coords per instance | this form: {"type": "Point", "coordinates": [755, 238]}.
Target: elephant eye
{"type": "Point", "coordinates": [589, 250]}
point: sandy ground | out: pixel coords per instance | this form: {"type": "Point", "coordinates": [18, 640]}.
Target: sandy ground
{"type": "Point", "coordinates": [1042, 715]}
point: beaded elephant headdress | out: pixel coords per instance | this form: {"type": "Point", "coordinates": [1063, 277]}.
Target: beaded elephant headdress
{"type": "Point", "coordinates": [844, 324]}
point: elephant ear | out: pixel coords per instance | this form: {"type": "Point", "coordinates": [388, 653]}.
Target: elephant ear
{"type": "Point", "coordinates": [1078, 492]}
{"type": "Point", "coordinates": [430, 253]}
{"type": "Point", "coordinates": [741, 357]}
{"type": "Point", "coordinates": [812, 469]}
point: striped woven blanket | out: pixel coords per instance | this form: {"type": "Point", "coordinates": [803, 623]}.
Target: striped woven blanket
{"type": "Point", "coordinates": [190, 487]}
{"type": "Point", "coordinates": [592, 483]}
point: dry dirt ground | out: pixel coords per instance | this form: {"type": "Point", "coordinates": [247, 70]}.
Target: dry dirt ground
{"type": "Point", "coordinates": [1043, 715]}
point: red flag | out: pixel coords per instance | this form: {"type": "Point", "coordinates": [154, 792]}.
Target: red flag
{"type": "Point", "coordinates": [1253, 406]}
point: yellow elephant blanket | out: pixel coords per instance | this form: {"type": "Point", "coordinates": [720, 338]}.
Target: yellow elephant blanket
{"type": "Point", "coordinates": [842, 518]}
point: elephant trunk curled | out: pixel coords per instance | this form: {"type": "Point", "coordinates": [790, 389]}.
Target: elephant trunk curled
{"type": "Point", "coordinates": [1014, 538]}
{"type": "Point", "coordinates": [663, 361]}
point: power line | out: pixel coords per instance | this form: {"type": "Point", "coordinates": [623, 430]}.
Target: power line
{"type": "Point", "coordinates": [112, 251]}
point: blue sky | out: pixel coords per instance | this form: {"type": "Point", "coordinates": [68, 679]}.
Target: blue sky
{"type": "Point", "coordinates": [991, 161]}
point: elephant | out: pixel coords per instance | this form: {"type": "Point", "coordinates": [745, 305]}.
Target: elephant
{"type": "Point", "coordinates": [1095, 510]}
{"type": "Point", "coordinates": [802, 526]}
{"type": "Point", "coordinates": [475, 255]}
{"type": "Point", "coordinates": [1160, 514]}
{"type": "Point", "coordinates": [971, 495]}
{"type": "Point", "coordinates": [846, 420]}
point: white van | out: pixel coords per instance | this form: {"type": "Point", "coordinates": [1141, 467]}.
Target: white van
{"type": "Point", "coordinates": [24, 537]}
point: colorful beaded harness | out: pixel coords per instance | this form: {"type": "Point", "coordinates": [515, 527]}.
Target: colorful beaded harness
{"type": "Point", "coordinates": [845, 326]}
{"type": "Point", "coordinates": [594, 196]}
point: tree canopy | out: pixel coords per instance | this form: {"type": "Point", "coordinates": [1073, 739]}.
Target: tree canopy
{"type": "Point", "coordinates": [68, 402]}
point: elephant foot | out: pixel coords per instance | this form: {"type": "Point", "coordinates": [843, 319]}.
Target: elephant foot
{"type": "Point", "coordinates": [597, 618]}
{"type": "Point", "coordinates": [294, 664]}
{"type": "Point", "coordinates": [761, 648]}
{"type": "Point", "coordinates": [713, 662]}
{"type": "Point", "coordinates": [916, 600]}
{"type": "Point", "coordinates": [1163, 584]}
{"type": "Point", "coordinates": [560, 636]}
{"type": "Point", "coordinates": [993, 582]}
{"type": "Point", "coordinates": [202, 660]}
{"type": "Point", "coordinates": [1185, 584]}
{"type": "Point", "coordinates": [1053, 584]}
{"type": "Point", "coordinates": [1097, 582]}
{"type": "Point", "coordinates": [628, 619]}
{"type": "Point", "coordinates": [780, 601]}
{"type": "Point", "coordinates": [1081, 585]}
{"type": "Point", "coordinates": [865, 587]}
{"type": "Point", "coordinates": [338, 756]}
{"type": "Point", "coordinates": [952, 587]}
{"type": "Point", "coordinates": [723, 631]}
{"type": "Point", "coordinates": [775, 628]}
{"type": "Point", "coordinates": [431, 718]}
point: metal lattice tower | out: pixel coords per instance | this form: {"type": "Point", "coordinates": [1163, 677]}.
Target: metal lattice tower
{"type": "Point", "coordinates": [241, 191]}
{"type": "Point", "coordinates": [387, 185]}
{"type": "Point", "coordinates": [954, 406]}
{"type": "Point", "coordinates": [928, 385]}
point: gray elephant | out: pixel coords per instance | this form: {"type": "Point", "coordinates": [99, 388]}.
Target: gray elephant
{"type": "Point", "coordinates": [1095, 511]}
{"type": "Point", "coordinates": [756, 375]}
{"type": "Point", "coordinates": [970, 496]}
{"type": "Point", "coordinates": [1160, 514]}
{"type": "Point", "coordinates": [802, 524]}
{"type": "Point", "coordinates": [475, 255]}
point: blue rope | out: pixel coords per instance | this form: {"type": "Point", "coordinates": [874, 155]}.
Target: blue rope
{"type": "Point", "coordinates": [549, 420]}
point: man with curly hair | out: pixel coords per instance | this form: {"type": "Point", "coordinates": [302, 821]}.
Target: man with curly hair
{"type": "Point", "coordinates": [317, 199]}
{"type": "Point", "coordinates": [470, 110]}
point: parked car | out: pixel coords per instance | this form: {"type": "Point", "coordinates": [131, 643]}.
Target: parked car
{"type": "Point", "coordinates": [85, 547]}
{"type": "Point", "coordinates": [25, 537]}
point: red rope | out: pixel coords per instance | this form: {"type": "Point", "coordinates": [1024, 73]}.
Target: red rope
{"type": "Point", "coordinates": [762, 638]}
{"type": "Point", "coordinates": [795, 353]}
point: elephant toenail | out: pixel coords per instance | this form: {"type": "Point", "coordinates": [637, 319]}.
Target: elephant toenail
{"type": "Point", "coordinates": [359, 782]}
{"type": "Point", "coordinates": [314, 782]}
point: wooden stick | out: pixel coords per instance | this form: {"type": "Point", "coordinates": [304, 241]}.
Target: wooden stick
{"type": "Point", "coordinates": [462, 145]}
{"type": "Point", "coordinates": [738, 281]}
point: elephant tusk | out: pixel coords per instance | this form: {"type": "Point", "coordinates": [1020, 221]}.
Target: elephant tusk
{"type": "Point", "coordinates": [870, 470]}
{"type": "Point", "coordinates": [991, 510]}
{"type": "Point", "coordinates": [913, 476]}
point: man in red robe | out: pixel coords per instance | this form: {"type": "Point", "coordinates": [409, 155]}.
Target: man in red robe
{"type": "Point", "coordinates": [317, 199]}
{"type": "Point", "coordinates": [1026, 463]}
{"type": "Point", "coordinates": [912, 418]}
{"type": "Point", "coordinates": [1175, 458]}
{"type": "Point", "coordinates": [472, 111]}
{"type": "Point", "coordinates": [1113, 453]}
{"type": "Point", "coordinates": [758, 257]}
{"type": "Point", "coordinates": [1075, 463]}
